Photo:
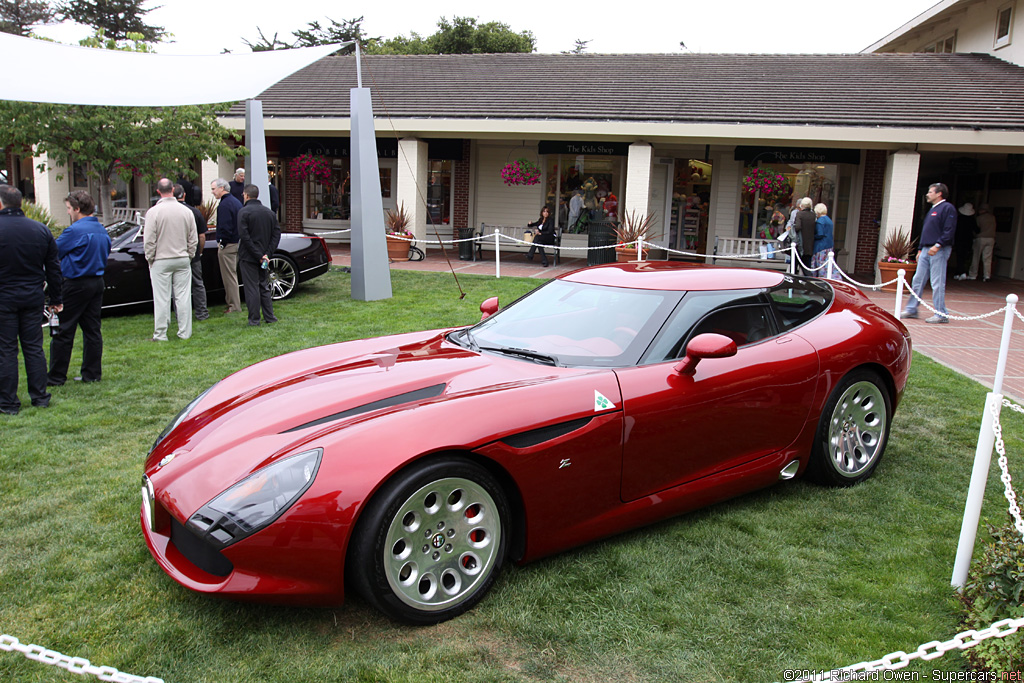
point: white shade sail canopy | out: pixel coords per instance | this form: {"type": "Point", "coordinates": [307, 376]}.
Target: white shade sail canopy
{"type": "Point", "coordinates": [153, 80]}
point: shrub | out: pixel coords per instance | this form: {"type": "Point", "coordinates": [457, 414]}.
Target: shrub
{"type": "Point", "coordinates": [995, 591]}
{"type": "Point", "coordinates": [38, 213]}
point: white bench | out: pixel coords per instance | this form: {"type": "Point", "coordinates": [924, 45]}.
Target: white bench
{"type": "Point", "coordinates": [750, 251]}
{"type": "Point", "coordinates": [126, 213]}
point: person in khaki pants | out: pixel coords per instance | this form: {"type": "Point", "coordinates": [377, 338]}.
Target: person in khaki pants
{"type": "Point", "coordinates": [170, 242]}
{"type": "Point", "coordinates": [227, 241]}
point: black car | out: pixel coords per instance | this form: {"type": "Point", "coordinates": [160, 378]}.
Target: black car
{"type": "Point", "coordinates": [298, 258]}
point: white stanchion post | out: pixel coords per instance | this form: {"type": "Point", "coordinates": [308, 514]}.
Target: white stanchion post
{"type": "Point", "coordinates": [497, 253]}
{"type": "Point", "coordinates": [900, 274]}
{"type": "Point", "coordinates": [983, 457]}
{"type": "Point", "coordinates": [831, 260]}
{"type": "Point", "coordinates": [792, 258]}
{"type": "Point", "coordinates": [640, 250]}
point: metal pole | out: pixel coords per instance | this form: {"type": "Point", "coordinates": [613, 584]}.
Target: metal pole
{"type": "Point", "coordinates": [497, 253]}
{"type": "Point", "coordinates": [900, 274]}
{"type": "Point", "coordinates": [831, 260]}
{"type": "Point", "coordinates": [983, 457]}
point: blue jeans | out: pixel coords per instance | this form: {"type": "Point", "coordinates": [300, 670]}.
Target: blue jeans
{"type": "Point", "coordinates": [930, 268]}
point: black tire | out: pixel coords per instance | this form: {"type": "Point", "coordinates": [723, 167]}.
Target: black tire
{"type": "Point", "coordinates": [852, 431]}
{"type": "Point", "coordinates": [431, 542]}
{"type": "Point", "coordinates": [284, 276]}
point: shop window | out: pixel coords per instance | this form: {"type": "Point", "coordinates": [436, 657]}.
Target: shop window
{"type": "Point", "coordinates": [333, 200]}
{"type": "Point", "coordinates": [585, 188]}
{"type": "Point", "coordinates": [691, 196]}
{"type": "Point", "coordinates": [439, 192]}
{"type": "Point", "coordinates": [1004, 24]}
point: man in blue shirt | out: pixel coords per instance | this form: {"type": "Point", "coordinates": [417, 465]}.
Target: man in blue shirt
{"type": "Point", "coordinates": [937, 234]}
{"type": "Point", "coordinates": [227, 241]}
{"type": "Point", "coordinates": [83, 247]}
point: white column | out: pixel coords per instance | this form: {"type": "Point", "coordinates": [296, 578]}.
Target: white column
{"type": "Point", "coordinates": [412, 184]}
{"type": "Point", "coordinates": [50, 191]}
{"type": "Point", "coordinates": [208, 172]}
{"type": "Point", "coordinates": [898, 195]}
{"type": "Point", "coordinates": [639, 166]}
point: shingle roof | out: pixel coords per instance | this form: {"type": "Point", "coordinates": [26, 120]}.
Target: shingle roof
{"type": "Point", "coordinates": [944, 91]}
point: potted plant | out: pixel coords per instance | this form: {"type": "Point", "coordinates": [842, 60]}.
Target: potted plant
{"type": "Point", "coordinates": [632, 230]}
{"type": "Point", "coordinates": [897, 253]}
{"type": "Point", "coordinates": [520, 172]}
{"type": "Point", "coordinates": [207, 208]}
{"type": "Point", "coordinates": [396, 229]}
{"type": "Point", "coordinates": [311, 167]}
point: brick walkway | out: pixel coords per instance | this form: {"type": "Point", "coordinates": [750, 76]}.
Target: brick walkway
{"type": "Point", "coordinates": [969, 347]}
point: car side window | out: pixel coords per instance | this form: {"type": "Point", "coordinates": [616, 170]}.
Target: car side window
{"type": "Point", "coordinates": [797, 301]}
{"type": "Point", "coordinates": [743, 324]}
{"type": "Point", "coordinates": [742, 315]}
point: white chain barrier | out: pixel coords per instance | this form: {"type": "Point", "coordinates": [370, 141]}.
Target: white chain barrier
{"type": "Point", "coordinates": [76, 665]}
{"type": "Point", "coordinates": [1008, 492]}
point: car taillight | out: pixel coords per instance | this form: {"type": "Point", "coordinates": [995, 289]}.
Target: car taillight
{"type": "Point", "coordinates": [323, 243]}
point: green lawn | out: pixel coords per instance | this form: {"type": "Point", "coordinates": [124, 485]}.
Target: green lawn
{"type": "Point", "coordinates": [794, 577]}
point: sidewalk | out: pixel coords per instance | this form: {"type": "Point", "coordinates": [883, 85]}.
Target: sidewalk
{"type": "Point", "coordinates": [970, 347]}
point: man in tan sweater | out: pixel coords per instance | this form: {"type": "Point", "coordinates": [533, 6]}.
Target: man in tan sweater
{"type": "Point", "coordinates": [170, 242]}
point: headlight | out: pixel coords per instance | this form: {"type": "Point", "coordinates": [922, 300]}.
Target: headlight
{"type": "Point", "coordinates": [257, 500]}
{"type": "Point", "coordinates": [179, 418]}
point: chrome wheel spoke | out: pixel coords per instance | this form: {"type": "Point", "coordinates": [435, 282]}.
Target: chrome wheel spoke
{"type": "Point", "coordinates": [282, 278]}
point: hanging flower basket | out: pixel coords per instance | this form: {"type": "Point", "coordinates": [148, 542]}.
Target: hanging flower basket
{"type": "Point", "coordinates": [520, 172]}
{"type": "Point", "coordinates": [310, 167]}
{"type": "Point", "coordinates": [772, 186]}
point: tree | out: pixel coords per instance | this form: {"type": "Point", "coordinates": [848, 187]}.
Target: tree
{"type": "Point", "coordinates": [20, 16]}
{"type": "Point", "coordinates": [581, 47]}
{"type": "Point", "coordinates": [126, 142]}
{"type": "Point", "coordinates": [338, 32]}
{"type": "Point", "coordinates": [462, 35]}
{"type": "Point", "coordinates": [117, 18]}
{"type": "Point", "coordinates": [266, 45]}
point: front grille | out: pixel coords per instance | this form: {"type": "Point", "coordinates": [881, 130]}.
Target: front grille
{"type": "Point", "coordinates": [199, 552]}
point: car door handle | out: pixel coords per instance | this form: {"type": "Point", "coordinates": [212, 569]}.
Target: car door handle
{"type": "Point", "coordinates": [783, 340]}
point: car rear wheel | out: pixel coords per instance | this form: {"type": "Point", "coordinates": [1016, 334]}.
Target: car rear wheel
{"type": "Point", "coordinates": [283, 276]}
{"type": "Point", "coordinates": [852, 431]}
{"type": "Point", "coordinates": [431, 542]}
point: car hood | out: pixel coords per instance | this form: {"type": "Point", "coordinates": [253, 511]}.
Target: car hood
{"type": "Point", "coordinates": [279, 406]}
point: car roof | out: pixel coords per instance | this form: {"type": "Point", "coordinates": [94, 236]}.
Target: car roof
{"type": "Point", "coordinates": [674, 275]}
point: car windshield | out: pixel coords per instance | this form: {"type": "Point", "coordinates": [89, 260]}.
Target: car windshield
{"type": "Point", "coordinates": [120, 232]}
{"type": "Point", "coordinates": [567, 323]}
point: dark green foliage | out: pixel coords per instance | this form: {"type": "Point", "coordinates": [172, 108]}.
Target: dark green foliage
{"type": "Point", "coordinates": [19, 16]}
{"type": "Point", "coordinates": [117, 18]}
{"type": "Point", "coordinates": [995, 591]}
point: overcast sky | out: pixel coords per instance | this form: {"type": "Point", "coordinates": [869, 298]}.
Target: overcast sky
{"type": "Point", "coordinates": [763, 26]}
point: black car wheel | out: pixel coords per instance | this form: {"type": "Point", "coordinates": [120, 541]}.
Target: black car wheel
{"type": "Point", "coordinates": [283, 277]}
{"type": "Point", "coordinates": [852, 431]}
{"type": "Point", "coordinates": [431, 542]}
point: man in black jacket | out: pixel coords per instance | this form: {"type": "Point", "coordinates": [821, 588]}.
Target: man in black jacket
{"type": "Point", "coordinates": [258, 234]}
{"type": "Point", "coordinates": [28, 256]}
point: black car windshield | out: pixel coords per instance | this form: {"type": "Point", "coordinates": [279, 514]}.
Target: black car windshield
{"type": "Point", "coordinates": [121, 233]}
{"type": "Point", "coordinates": [576, 324]}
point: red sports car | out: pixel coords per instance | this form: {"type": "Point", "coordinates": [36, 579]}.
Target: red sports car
{"type": "Point", "coordinates": [411, 467]}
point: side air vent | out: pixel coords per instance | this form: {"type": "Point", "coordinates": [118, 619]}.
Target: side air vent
{"type": "Point", "coordinates": [397, 400]}
{"type": "Point", "coordinates": [538, 436]}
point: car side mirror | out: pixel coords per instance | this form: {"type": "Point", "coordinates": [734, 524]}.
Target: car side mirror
{"type": "Point", "coordinates": [703, 346]}
{"type": "Point", "coordinates": [489, 308]}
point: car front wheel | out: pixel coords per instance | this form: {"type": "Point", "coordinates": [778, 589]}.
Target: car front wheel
{"type": "Point", "coordinates": [852, 431]}
{"type": "Point", "coordinates": [431, 542]}
{"type": "Point", "coordinates": [283, 277]}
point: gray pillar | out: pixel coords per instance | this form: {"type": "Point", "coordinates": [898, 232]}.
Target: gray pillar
{"type": "Point", "coordinates": [256, 141]}
{"type": "Point", "coordinates": [371, 275]}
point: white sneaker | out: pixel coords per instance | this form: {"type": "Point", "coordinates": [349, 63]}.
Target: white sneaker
{"type": "Point", "coordinates": [961, 276]}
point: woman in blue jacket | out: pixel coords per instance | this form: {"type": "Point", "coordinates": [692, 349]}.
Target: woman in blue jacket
{"type": "Point", "coordinates": [823, 241]}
